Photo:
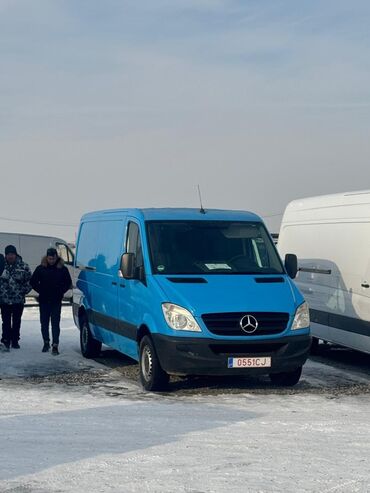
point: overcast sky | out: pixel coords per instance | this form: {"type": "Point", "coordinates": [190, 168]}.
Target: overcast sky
{"type": "Point", "coordinates": [120, 103]}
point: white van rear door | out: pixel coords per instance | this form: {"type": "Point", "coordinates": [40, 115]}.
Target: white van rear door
{"type": "Point", "coordinates": [363, 303]}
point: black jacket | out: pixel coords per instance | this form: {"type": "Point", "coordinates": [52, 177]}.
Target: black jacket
{"type": "Point", "coordinates": [51, 282]}
{"type": "Point", "coordinates": [2, 263]}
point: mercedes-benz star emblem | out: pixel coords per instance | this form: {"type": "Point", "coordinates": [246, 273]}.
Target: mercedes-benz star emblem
{"type": "Point", "coordinates": [249, 324]}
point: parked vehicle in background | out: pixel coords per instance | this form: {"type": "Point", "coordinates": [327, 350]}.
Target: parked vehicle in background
{"type": "Point", "coordinates": [331, 237]}
{"type": "Point", "coordinates": [189, 292]}
{"type": "Point", "coordinates": [33, 247]}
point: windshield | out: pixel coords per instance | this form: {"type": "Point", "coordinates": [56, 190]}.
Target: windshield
{"type": "Point", "coordinates": [211, 247]}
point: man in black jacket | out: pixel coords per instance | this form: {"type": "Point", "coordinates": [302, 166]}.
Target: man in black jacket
{"type": "Point", "coordinates": [51, 280]}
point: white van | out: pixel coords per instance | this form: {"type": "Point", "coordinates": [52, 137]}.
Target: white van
{"type": "Point", "coordinates": [33, 247]}
{"type": "Point", "coordinates": [331, 237]}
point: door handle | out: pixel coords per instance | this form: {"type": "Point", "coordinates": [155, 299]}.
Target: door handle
{"type": "Point", "coordinates": [122, 285]}
{"type": "Point", "coordinates": [365, 285]}
{"type": "Point", "coordinates": [114, 283]}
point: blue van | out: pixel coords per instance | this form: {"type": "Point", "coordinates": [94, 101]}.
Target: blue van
{"type": "Point", "coordinates": [189, 292]}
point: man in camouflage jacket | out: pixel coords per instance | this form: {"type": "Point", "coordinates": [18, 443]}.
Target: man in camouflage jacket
{"type": "Point", "coordinates": [14, 285]}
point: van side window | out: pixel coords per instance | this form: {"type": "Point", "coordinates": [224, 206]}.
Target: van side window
{"type": "Point", "coordinates": [64, 253]}
{"type": "Point", "coordinates": [134, 243]}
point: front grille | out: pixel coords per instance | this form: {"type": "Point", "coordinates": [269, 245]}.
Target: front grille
{"type": "Point", "coordinates": [228, 324]}
{"type": "Point", "coordinates": [241, 349]}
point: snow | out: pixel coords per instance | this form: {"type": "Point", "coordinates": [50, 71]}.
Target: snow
{"type": "Point", "coordinates": [30, 361]}
{"type": "Point", "coordinates": [104, 434]}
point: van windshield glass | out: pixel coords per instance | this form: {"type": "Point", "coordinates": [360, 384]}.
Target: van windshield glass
{"type": "Point", "coordinates": [211, 247]}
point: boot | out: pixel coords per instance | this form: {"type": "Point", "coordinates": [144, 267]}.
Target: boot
{"type": "Point", "coordinates": [15, 345]}
{"type": "Point", "coordinates": [46, 347]}
{"type": "Point", "coordinates": [54, 350]}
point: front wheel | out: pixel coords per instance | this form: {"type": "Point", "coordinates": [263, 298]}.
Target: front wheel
{"type": "Point", "coordinates": [90, 347]}
{"type": "Point", "coordinates": [286, 379]}
{"type": "Point", "coordinates": [152, 376]}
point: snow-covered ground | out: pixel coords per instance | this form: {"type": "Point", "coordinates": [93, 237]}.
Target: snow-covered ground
{"type": "Point", "coordinates": [68, 425]}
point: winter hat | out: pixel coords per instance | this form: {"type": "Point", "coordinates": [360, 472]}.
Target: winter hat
{"type": "Point", "coordinates": [51, 252]}
{"type": "Point", "coordinates": [10, 249]}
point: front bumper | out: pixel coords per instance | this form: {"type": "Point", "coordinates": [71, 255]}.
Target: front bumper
{"type": "Point", "coordinates": [201, 356]}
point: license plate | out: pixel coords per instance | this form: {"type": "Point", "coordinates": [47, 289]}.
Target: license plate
{"type": "Point", "coordinates": [260, 362]}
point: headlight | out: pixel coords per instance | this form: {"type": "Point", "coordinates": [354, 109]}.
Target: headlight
{"type": "Point", "coordinates": [302, 317]}
{"type": "Point", "coordinates": [179, 318]}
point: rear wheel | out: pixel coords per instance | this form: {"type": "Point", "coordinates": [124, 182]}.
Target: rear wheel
{"type": "Point", "coordinates": [152, 376]}
{"type": "Point", "coordinates": [90, 347]}
{"type": "Point", "coordinates": [286, 379]}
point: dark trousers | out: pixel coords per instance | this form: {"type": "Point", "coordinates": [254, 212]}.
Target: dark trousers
{"type": "Point", "coordinates": [11, 316]}
{"type": "Point", "coordinates": [50, 311]}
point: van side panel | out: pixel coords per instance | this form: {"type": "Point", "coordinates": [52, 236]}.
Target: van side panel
{"type": "Point", "coordinates": [9, 239]}
{"type": "Point", "coordinates": [32, 248]}
{"type": "Point", "coordinates": [100, 246]}
{"type": "Point", "coordinates": [109, 247]}
{"type": "Point", "coordinates": [85, 264]}
{"type": "Point", "coordinates": [136, 299]}
{"type": "Point", "coordinates": [104, 313]}
{"type": "Point", "coordinates": [333, 252]}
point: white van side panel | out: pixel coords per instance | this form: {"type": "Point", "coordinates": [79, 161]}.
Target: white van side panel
{"type": "Point", "coordinates": [32, 248]}
{"type": "Point", "coordinates": [341, 337]}
{"type": "Point", "coordinates": [335, 266]}
{"type": "Point", "coordinates": [8, 239]}
{"type": "Point", "coordinates": [323, 332]}
{"type": "Point", "coordinates": [332, 244]}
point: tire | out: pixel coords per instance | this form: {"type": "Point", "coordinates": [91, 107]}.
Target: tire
{"type": "Point", "coordinates": [152, 376]}
{"type": "Point", "coordinates": [286, 379]}
{"type": "Point", "coordinates": [315, 349]}
{"type": "Point", "coordinates": [90, 347]}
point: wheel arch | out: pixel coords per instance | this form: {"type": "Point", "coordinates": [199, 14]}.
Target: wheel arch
{"type": "Point", "coordinates": [143, 331]}
{"type": "Point", "coordinates": [81, 316]}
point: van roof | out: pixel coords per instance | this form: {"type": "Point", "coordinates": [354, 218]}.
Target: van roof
{"type": "Point", "coordinates": [159, 214]}
{"type": "Point", "coordinates": [29, 235]}
{"type": "Point", "coordinates": [338, 205]}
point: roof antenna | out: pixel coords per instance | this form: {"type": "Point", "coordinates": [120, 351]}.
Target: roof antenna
{"type": "Point", "coordinates": [202, 210]}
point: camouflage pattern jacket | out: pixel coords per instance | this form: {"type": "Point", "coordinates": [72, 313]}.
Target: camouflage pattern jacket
{"type": "Point", "coordinates": [15, 282]}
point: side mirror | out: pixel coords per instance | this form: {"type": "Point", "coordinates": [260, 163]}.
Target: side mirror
{"type": "Point", "coordinates": [291, 265]}
{"type": "Point", "coordinates": [128, 266]}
